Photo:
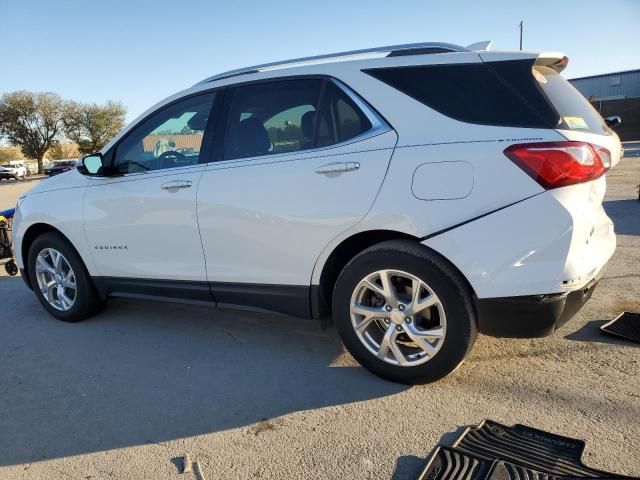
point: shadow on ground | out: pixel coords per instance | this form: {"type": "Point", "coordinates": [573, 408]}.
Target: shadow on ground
{"type": "Point", "coordinates": [149, 372]}
{"type": "Point", "coordinates": [591, 332]}
{"type": "Point", "coordinates": [625, 214]}
{"type": "Point", "coordinates": [29, 179]}
{"type": "Point", "coordinates": [408, 467]}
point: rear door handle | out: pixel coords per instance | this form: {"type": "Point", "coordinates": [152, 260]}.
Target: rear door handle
{"type": "Point", "coordinates": [176, 185]}
{"type": "Point", "coordinates": [339, 167]}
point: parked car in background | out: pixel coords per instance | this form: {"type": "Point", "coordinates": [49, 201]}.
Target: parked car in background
{"type": "Point", "coordinates": [12, 171]}
{"type": "Point", "coordinates": [418, 194]}
{"type": "Point", "coordinates": [32, 168]}
{"type": "Point", "coordinates": [60, 167]}
{"type": "Point", "coordinates": [46, 166]}
{"type": "Point", "coordinates": [22, 165]}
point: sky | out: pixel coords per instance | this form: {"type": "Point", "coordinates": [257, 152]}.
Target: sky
{"type": "Point", "coordinates": [139, 52]}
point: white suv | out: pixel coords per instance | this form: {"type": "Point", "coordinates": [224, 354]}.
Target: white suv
{"type": "Point", "coordinates": [16, 171]}
{"type": "Point", "coordinates": [418, 194]}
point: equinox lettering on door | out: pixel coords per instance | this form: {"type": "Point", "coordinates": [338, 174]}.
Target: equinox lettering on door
{"type": "Point", "coordinates": [111, 247]}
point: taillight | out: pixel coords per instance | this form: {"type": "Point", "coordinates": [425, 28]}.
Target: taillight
{"type": "Point", "coordinates": [558, 164]}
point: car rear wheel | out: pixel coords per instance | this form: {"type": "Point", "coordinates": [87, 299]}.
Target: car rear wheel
{"type": "Point", "coordinates": [60, 280]}
{"type": "Point", "coordinates": [404, 313]}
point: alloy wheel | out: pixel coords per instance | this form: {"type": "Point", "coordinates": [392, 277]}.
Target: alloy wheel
{"type": "Point", "coordinates": [398, 317]}
{"type": "Point", "coordinates": [56, 279]}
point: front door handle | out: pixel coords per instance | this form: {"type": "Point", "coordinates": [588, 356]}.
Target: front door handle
{"type": "Point", "coordinates": [176, 185]}
{"type": "Point", "coordinates": [339, 167]}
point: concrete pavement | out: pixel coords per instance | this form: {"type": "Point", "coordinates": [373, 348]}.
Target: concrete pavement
{"type": "Point", "coordinates": [251, 395]}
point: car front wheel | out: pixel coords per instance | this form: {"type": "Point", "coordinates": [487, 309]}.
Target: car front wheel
{"type": "Point", "coordinates": [60, 280]}
{"type": "Point", "coordinates": [404, 313]}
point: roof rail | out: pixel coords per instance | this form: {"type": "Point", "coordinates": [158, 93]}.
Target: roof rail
{"type": "Point", "coordinates": [391, 51]}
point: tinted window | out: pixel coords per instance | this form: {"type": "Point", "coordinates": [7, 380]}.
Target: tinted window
{"type": "Point", "coordinates": [340, 117]}
{"type": "Point", "coordinates": [170, 138]}
{"type": "Point", "coordinates": [497, 93]}
{"type": "Point", "coordinates": [275, 117]}
{"type": "Point", "coordinates": [575, 111]}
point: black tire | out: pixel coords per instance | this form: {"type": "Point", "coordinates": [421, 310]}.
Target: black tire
{"type": "Point", "coordinates": [451, 289]}
{"type": "Point", "coordinates": [11, 268]}
{"type": "Point", "coordinates": [87, 301]}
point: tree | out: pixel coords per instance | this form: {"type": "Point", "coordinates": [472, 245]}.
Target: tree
{"type": "Point", "coordinates": [31, 121]}
{"type": "Point", "coordinates": [91, 126]}
{"type": "Point", "coordinates": [62, 151]}
{"type": "Point", "coordinates": [10, 153]}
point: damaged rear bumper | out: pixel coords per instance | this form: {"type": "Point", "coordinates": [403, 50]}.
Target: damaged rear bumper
{"type": "Point", "coordinates": [530, 316]}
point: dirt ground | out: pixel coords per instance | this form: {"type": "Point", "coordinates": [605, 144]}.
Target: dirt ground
{"type": "Point", "coordinates": [252, 395]}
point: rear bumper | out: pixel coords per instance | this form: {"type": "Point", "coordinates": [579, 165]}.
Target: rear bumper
{"type": "Point", "coordinates": [555, 242]}
{"type": "Point", "coordinates": [532, 315]}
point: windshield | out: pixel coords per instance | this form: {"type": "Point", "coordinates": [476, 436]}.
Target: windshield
{"type": "Point", "coordinates": [576, 113]}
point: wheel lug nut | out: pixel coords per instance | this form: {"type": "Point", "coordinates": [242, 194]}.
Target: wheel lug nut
{"type": "Point", "coordinates": [388, 308]}
{"type": "Point", "coordinates": [407, 319]}
{"type": "Point", "coordinates": [399, 328]}
{"type": "Point", "coordinates": [386, 320]}
{"type": "Point", "coordinates": [401, 307]}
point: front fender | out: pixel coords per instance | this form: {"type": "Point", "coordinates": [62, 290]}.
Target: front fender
{"type": "Point", "coordinates": [59, 210]}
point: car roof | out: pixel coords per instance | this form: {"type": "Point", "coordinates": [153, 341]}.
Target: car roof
{"type": "Point", "coordinates": [376, 52]}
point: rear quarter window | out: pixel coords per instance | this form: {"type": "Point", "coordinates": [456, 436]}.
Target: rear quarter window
{"type": "Point", "coordinates": [576, 113]}
{"type": "Point", "coordinates": [473, 93]}
{"type": "Point", "coordinates": [514, 93]}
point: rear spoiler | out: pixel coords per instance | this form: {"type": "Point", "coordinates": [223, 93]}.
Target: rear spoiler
{"type": "Point", "coordinates": [556, 60]}
{"type": "Point", "coordinates": [480, 46]}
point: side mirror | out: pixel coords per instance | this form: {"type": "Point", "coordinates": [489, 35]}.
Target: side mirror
{"type": "Point", "coordinates": [613, 122]}
{"type": "Point", "coordinates": [91, 164]}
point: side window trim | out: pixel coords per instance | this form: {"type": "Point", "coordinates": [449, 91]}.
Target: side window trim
{"type": "Point", "coordinates": [378, 124]}
{"type": "Point", "coordinates": [223, 103]}
{"type": "Point", "coordinates": [212, 127]}
{"type": "Point", "coordinates": [316, 127]}
{"type": "Point", "coordinates": [208, 140]}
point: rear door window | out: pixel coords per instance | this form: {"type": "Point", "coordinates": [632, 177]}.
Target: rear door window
{"type": "Point", "coordinates": [271, 118]}
{"type": "Point", "coordinates": [292, 115]}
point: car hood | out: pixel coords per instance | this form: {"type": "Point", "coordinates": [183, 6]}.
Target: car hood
{"type": "Point", "coordinates": [62, 181]}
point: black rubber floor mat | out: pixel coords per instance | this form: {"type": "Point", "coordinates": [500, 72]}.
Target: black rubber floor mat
{"type": "Point", "coordinates": [626, 325]}
{"type": "Point", "coordinates": [447, 463]}
{"type": "Point", "coordinates": [529, 448]}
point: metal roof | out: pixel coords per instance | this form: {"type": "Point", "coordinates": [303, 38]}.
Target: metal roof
{"type": "Point", "coordinates": [625, 84]}
{"type": "Point", "coordinates": [607, 74]}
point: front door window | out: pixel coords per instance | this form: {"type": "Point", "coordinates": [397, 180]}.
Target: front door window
{"type": "Point", "coordinates": [172, 137]}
